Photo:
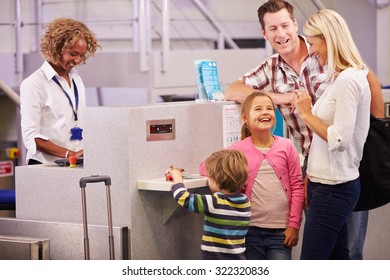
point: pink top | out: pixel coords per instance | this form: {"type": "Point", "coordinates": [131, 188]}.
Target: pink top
{"type": "Point", "coordinates": [267, 187]}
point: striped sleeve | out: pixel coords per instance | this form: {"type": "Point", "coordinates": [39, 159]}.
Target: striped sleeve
{"type": "Point", "coordinates": [192, 202]}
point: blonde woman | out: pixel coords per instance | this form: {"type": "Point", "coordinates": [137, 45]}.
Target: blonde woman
{"type": "Point", "coordinates": [340, 122]}
{"type": "Point", "coordinates": [53, 96]}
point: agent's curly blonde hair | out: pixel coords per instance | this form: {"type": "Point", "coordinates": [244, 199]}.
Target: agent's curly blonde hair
{"type": "Point", "coordinates": [63, 33]}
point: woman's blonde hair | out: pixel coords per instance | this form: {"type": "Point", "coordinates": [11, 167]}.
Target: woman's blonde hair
{"type": "Point", "coordinates": [228, 168]}
{"type": "Point", "coordinates": [63, 33]}
{"type": "Point", "coordinates": [246, 107]}
{"type": "Point", "coordinates": [342, 51]}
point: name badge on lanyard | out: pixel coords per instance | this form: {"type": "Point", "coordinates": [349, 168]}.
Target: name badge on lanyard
{"type": "Point", "coordinates": [76, 132]}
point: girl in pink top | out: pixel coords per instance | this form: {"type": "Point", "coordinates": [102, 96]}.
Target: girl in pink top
{"type": "Point", "coordinates": [274, 184]}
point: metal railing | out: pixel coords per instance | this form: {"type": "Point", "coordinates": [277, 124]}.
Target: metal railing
{"type": "Point", "coordinates": [9, 92]}
{"type": "Point", "coordinates": [140, 19]}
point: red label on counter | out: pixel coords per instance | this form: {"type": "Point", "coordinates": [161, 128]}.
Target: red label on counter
{"type": "Point", "coordinates": [6, 168]}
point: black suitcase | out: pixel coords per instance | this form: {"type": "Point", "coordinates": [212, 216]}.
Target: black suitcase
{"type": "Point", "coordinates": [83, 183]}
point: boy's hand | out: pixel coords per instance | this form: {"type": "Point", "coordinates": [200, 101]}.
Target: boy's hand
{"type": "Point", "coordinates": [176, 175]}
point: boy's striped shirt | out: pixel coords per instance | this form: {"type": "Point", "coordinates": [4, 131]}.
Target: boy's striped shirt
{"type": "Point", "coordinates": [226, 220]}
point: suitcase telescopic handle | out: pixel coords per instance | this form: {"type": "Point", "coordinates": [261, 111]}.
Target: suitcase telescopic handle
{"type": "Point", "coordinates": [95, 179]}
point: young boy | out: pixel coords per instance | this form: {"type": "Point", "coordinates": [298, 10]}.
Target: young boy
{"type": "Point", "coordinates": [226, 210]}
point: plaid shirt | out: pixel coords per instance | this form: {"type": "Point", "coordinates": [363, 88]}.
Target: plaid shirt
{"type": "Point", "coordinates": [275, 75]}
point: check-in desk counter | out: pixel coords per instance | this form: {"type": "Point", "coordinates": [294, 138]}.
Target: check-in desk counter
{"type": "Point", "coordinates": [133, 146]}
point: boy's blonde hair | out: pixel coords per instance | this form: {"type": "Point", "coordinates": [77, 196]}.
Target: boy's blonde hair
{"type": "Point", "coordinates": [228, 168]}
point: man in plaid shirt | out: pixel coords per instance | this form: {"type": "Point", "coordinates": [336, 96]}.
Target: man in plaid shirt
{"type": "Point", "coordinates": [290, 68]}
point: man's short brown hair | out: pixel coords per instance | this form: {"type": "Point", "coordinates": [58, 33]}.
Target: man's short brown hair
{"type": "Point", "coordinates": [274, 6]}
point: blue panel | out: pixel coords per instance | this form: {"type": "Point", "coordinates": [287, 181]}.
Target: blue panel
{"type": "Point", "coordinates": [279, 124]}
{"type": "Point", "coordinates": [7, 196]}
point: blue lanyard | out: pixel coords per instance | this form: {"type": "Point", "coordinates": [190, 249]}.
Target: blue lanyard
{"type": "Point", "coordinates": [76, 94]}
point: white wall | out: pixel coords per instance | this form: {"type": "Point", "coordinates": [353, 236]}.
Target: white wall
{"type": "Point", "coordinates": [362, 23]}
{"type": "Point", "coordinates": [383, 45]}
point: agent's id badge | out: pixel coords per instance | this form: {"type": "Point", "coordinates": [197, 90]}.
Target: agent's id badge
{"type": "Point", "coordinates": [76, 133]}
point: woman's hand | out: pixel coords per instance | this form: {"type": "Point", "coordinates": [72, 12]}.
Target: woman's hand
{"type": "Point", "coordinates": [76, 154]}
{"type": "Point", "coordinates": [303, 103]}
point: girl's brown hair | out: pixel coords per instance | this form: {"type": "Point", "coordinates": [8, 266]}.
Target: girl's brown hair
{"type": "Point", "coordinates": [246, 107]}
